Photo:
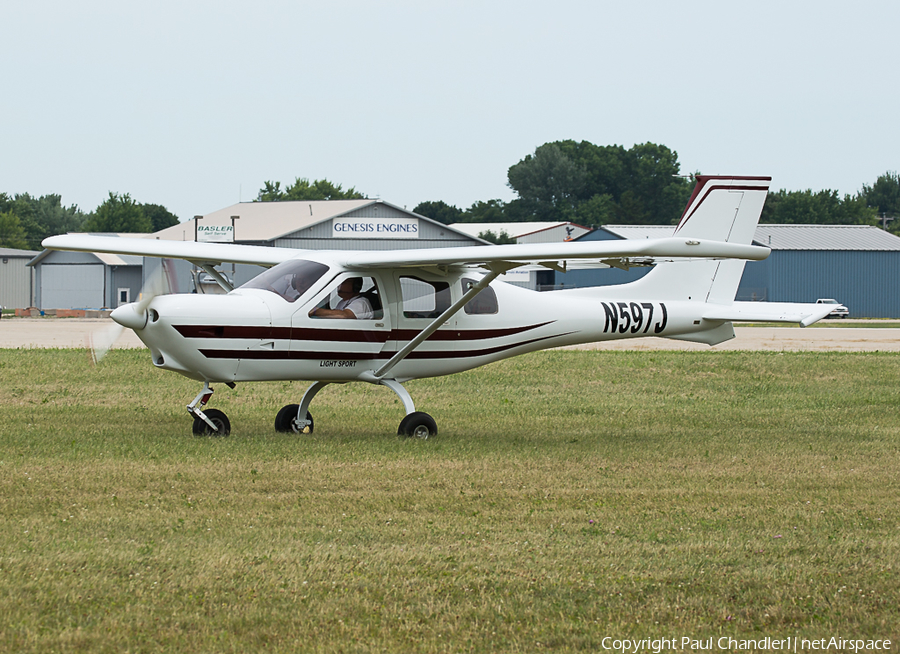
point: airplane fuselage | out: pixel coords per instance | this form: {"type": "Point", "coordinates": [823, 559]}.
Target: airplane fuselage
{"type": "Point", "coordinates": [256, 335]}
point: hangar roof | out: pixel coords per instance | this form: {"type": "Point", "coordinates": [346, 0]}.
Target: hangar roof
{"type": "Point", "coordinates": [640, 231]}
{"type": "Point", "coordinates": [17, 254]}
{"type": "Point", "coordinates": [107, 259]}
{"type": "Point", "coordinates": [515, 230]}
{"type": "Point", "coordinates": [826, 237]}
{"type": "Point", "coordinates": [267, 221]}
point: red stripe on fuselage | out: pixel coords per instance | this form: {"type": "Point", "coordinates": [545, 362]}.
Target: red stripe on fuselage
{"type": "Point", "coordinates": [330, 335]}
{"type": "Point", "coordinates": [298, 355]}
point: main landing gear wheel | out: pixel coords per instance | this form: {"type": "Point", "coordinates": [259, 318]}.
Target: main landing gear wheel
{"type": "Point", "coordinates": [418, 425]}
{"type": "Point", "coordinates": [286, 421]}
{"type": "Point", "coordinates": [219, 419]}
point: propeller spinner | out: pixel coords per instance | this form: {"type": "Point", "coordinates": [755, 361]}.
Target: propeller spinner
{"type": "Point", "coordinates": [133, 315]}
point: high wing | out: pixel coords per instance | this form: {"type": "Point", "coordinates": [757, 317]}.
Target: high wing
{"type": "Point", "coordinates": [620, 254]}
{"type": "Point", "coordinates": [207, 253]}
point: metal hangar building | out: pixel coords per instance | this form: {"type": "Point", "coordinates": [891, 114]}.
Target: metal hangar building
{"type": "Point", "coordinates": [85, 280]}
{"type": "Point", "coordinates": [306, 225]}
{"type": "Point", "coordinates": [16, 278]}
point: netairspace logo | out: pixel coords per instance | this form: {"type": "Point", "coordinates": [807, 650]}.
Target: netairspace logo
{"type": "Point", "coordinates": [730, 644]}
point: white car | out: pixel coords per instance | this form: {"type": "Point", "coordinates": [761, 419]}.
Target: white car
{"type": "Point", "coordinates": [839, 311]}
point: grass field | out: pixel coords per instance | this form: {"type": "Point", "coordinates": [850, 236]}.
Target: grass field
{"type": "Point", "coordinates": [569, 497]}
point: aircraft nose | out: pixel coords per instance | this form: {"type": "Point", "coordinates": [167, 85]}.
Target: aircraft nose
{"type": "Point", "coordinates": [131, 316]}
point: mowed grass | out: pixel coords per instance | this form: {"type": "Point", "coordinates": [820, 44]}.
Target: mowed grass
{"type": "Point", "coordinates": [569, 496]}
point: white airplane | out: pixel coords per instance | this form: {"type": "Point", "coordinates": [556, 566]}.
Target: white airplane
{"type": "Point", "coordinates": [430, 312]}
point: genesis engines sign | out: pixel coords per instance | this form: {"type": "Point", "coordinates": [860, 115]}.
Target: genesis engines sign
{"type": "Point", "coordinates": [375, 228]}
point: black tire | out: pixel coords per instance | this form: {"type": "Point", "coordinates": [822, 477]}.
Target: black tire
{"type": "Point", "coordinates": [417, 425]}
{"type": "Point", "coordinates": [219, 419]}
{"type": "Point", "coordinates": [284, 421]}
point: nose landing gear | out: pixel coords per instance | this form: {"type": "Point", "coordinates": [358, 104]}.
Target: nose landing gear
{"type": "Point", "coordinates": [211, 422]}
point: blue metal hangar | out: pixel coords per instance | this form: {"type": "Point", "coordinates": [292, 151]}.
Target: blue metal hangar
{"type": "Point", "coordinates": [858, 265]}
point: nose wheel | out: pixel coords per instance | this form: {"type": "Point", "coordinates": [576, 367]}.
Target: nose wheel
{"type": "Point", "coordinates": [220, 424]}
{"type": "Point", "coordinates": [211, 422]}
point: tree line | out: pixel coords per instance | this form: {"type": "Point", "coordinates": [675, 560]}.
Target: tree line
{"type": "Point", "coordinates": [575, 181]}
{"type": "Point", "coordinates": [25, 220]}
{"type": "Point", "coordinates": [596, 185]}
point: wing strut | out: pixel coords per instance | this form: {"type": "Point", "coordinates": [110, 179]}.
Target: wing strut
{"type": "Point", "coordinates": [496, 270]}
{"type": "Point", "coordinates": [221, 281]}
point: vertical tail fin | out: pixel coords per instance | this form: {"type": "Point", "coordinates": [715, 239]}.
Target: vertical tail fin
{"type": "Point", "coordinates": [720, 209]}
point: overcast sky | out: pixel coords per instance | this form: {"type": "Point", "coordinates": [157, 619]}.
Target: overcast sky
{"type": "Point", "coordinates": [194, 105]}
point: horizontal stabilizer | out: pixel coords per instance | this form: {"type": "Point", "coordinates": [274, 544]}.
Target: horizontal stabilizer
{"type": "Point", "coordinates": [804, 314]}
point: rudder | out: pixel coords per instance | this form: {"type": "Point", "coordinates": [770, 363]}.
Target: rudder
{"type": "Point", "coordinates": [721, 208]}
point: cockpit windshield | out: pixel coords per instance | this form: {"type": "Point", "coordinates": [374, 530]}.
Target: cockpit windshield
{"type": "Point", "coordinates": [289, 279]}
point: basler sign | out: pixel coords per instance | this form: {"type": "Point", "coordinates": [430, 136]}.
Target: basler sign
{"type": "Point", "coordinates": [215, 233]}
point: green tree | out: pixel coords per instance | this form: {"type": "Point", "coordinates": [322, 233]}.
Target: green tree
{"type": "Point", "coordinates": [270, 192]}
{"type": "Point", "coordinates": [159, 216]}
{"type": "Point", "coordinates": [653, 179]}
{"type": "Point", "coordinates": [550, 179]}
{"type": "Point", "coordinates": [499, 239]}
{"type": "Point", "coordinates": [42, 217]}
{"type": "Point", "coordinates": [630, 210]}
{"type": "Point", "coordinates": [12, 234]}
{"type": "Point", "coordinates": [23, 207]}
{"type": "Point", "coordinates": [824, 207]}
{"type": "Point", "coordinates": [599, 210]}
{"type": "Point", "coordinates": [118, 214]}
{"type": "Point", "coordinates": [884, 197]}
{"type": "Point", "coordinates": [439, 211]}
{"type": "Point", "coordinates": [854, 211]}
{"type": "Point", "coordinates": [54, 218]}
{"type": "Point", "coordinates": [642, 183]}
{"type": "Point", "coordinates": [303, 189]}
{"type": "Point", "coordinates": [605, 167]}
{"type": "Point", "coordinates": [492, 211]}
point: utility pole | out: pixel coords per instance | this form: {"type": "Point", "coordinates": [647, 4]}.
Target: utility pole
{"type": "Point", "coordinates": [196, 223]}
{"type": "Point", "coordinates": [233, 240]}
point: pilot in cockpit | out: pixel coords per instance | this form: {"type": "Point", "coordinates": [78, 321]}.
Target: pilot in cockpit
{"type": "Point", "coordinates": [352, 305]}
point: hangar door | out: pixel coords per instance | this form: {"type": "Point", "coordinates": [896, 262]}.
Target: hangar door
{"type": "Point", "coordinates": [72, 287]}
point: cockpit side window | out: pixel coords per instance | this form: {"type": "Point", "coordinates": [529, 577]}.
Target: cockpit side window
{"type": "Point", "coordinates": [483, 303]}
{"type": "Point", "coordinates": [289, 279]}
{"type": "Point", "coordinates": [350, 297]}
{"type": "Point", "coordinates": [423, 299]}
